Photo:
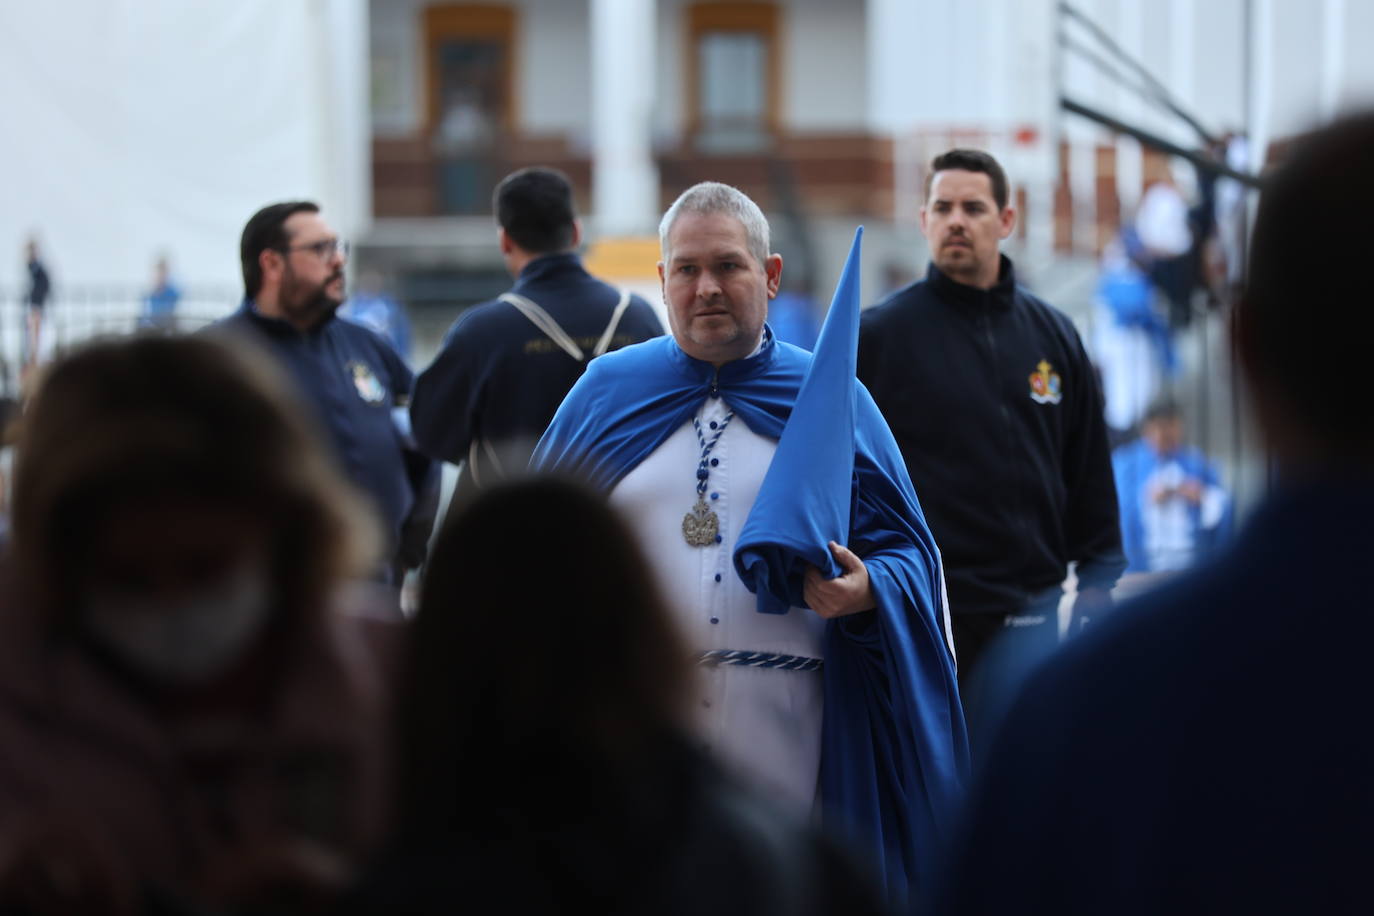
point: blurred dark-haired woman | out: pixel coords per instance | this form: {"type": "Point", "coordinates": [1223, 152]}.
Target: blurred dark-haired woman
{"type": "Point", "coordinates": [545, 763]}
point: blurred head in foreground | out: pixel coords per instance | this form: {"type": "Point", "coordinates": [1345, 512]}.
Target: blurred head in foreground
{"type": "Point", "coordinates": [544, 754]}
{"type": "Point", "coordinates": [541, 636]}
{"type": "Point", "coordinates": [177, 668]}
{"type": "Point", "coordinates": [1308, 373]}
{"type": "Point", "coordinates": [171, 508]}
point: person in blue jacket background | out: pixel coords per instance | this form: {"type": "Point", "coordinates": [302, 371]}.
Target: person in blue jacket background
{"type": "Point", "coordinates": [1174, 510]}
{"type": "Point", "coordinates": [373, 307]}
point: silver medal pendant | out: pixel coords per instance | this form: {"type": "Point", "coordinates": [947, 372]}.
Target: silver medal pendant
{"type": "Point", "coordinates": [700, 526]}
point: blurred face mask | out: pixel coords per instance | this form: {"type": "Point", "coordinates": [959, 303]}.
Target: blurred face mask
{"type": "Point", "coordinates": [187, 638]}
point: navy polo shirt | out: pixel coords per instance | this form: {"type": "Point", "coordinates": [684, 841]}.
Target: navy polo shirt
{"type": "Point", "coordinates": [350, 379]}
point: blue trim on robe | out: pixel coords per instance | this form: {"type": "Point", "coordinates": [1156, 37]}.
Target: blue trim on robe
{"type": "Point", "coordinates": [894, 750]}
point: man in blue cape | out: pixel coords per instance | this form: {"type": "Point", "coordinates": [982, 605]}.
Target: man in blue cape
{"type": "Point", "coordinates": [777, 510]}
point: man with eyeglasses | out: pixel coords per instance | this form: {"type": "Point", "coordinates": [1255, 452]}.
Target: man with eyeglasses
{"type": "Point", "coordinates": [349, 376]}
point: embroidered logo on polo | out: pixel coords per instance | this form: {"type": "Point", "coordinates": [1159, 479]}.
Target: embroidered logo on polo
{"type": "Point", "coordinates": [370, 389]}
{"type": "Point", "coordinates": [1044, 384]}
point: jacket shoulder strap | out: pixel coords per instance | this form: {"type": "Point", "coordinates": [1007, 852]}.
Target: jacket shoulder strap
{"type": "Point", "coordinates": [605, 342]}
{"type": "Point", "coordinates": [544, 322]}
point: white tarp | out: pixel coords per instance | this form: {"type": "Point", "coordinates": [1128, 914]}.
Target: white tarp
{"type": "Point", "coordinates": [129, 128]}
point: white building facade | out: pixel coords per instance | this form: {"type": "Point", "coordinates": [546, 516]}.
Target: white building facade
{"type": "Point", "coordinates": [159, 126]}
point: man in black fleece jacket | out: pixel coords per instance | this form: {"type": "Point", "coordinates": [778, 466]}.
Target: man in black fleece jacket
{"type": "Point", "coordinates": [998, 413]}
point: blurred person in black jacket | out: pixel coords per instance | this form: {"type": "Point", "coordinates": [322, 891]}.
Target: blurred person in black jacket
{"type": "Point", "coordinates": [545, 765]}
{"type": "Point", "coordinates": [1206, 748]}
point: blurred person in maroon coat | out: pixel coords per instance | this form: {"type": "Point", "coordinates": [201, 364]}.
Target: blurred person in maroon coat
{"type": "Point", "coordinates": [187, 715]}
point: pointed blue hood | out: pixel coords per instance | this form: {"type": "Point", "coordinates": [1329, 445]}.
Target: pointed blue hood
{"type": "Point", "coordinates": [804, 502]}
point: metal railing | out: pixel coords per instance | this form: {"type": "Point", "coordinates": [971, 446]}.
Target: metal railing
{"type": "Point", "coordinates": [1117, 65]}
{"type": "Point", "coordinates": [1220, 426]}
{"type": "Point", "coordinates": [74, 314]}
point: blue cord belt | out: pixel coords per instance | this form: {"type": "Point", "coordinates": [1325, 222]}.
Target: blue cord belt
{"type": "Point", "coordinates": [760, 660]}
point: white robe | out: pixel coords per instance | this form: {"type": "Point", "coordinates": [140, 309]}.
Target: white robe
{"type": "Point", "coordinates": [765, 724]}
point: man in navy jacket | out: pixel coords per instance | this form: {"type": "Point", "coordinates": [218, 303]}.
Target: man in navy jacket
{"type": "Point", "coordinates": [348, 377]}
{"type": "Point", "coordinates": [506, 364]}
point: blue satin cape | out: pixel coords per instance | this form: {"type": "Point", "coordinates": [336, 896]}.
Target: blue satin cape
{"type": "Point", "coordinates": [894, 751]}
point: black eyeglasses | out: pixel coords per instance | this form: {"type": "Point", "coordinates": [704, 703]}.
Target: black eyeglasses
{"type": "Point", "coordinates": [324, 250]}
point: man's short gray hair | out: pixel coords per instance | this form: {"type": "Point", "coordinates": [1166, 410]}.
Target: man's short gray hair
{"type": "Point", "coordinates": [714, 197]}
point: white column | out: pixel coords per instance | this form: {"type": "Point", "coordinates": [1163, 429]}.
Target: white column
{"type": "Point", "coordinates": [1332, 57]}
{"type": "Point", "coordinates": [624, 176]}
{"type": "Point", "coordinates": [1035, 95]}
{"type": "Point", "coordinates": [1261, 78]}
{"type": "Point", "coordinates": [892, 32]}
{"type": "Point", "coordinates": [1182, 81]}
{"type": "Point", "coordinates": [342, 36]}
{"type": "Point", "coordinates": [1130, 163]}
{"type": "Point", "coordinates": [895, 52]}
